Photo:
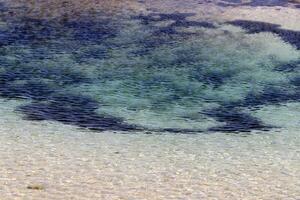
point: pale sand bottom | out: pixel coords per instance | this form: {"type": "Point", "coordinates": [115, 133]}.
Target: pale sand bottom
{"type": "Point", "coordinates": [287, 17]}
{"type": "Point", "coordinates": [70, 164]}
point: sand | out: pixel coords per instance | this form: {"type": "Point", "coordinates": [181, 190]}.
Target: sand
{"type": "Point", "coordinates": [53, 161]}
{"type": "Point", "coordinates": [49, 160]}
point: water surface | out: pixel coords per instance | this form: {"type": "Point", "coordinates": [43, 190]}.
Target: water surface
{"type": "Point", "coordinates": [154, 71]}
{"type": "Point", "coordinates": [215, 85]}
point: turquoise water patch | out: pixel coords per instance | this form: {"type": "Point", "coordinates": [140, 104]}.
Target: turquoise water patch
{"type": "Point", "coordinates": [161, 72]}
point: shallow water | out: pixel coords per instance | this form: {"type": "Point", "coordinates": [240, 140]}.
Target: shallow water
{"type": "Point", "coordinates": [219, 98]}
{"type": "Point", "coordinates": [154, 72]}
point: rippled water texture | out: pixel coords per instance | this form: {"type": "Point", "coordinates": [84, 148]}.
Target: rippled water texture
{"type": "Point", "coordinates": [153, 71]}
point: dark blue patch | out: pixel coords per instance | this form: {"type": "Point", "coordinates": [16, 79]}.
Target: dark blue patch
{"type": "Point", "coordinates": [28, 31]}
{"type": "Point", "coordinates": [269, 96]}
{"type": "Point", "coordinates": [60, 75]}
{"type": "Point", "coordinates": [225, 4]}
{"type": "Point", "coordinates": [48, 37]}
{"type": "Point", "coordinates": [187, 24]}
{"type": "Point", "coordinates": [288, 67]}
{"type": "Point", "coordinates": [175, 16]}
{"type": "Point", "coordinates": [179, 21]}
{"type": "Point", "coordinates": [9, 75]}
{"type": "Point", "coordinates": [164, 35]}
{"type": "Point", "coordinates": [254, 3]}
{"type": "Point", "coordinates": [296, 81]}
{"type": "Point", "coordinates": [235, 120]}
{"type": "Point", "coordinates": [158, 17]}
{"type": "Point", "coordinates": [181, 131]}
{"type": "Point", "coordinates": [253, 100]}
{"type": "Point", "coordinates": [36, 90]}
{"type": "Point", "coordinates": [82, 55]}
{"type": "Point", "coordinates": [147, 45]}
{"type": "Point", "coordinates": [74, 110]}
{"type": "Point", "coordinates": [168, 30]}
{"type": "Point", "coordinates": [214, 78]}
{"type": "Point", "coordinates": [3, 7]}
{"type": "Point", "coordinates": [267, 3]}
{"type": "Point", "coordinates": [91, 31]}
{"type": "Point", "coordinates": [255, 26]}
{"type": "Point", "coordinates": [292, 37]}
{"type": "Point", "coordinates": [233, 1]}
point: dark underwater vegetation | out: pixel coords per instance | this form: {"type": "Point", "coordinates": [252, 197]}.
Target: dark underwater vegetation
{"type": "Point", "coordinates": [289, 36]}
{"type": "Point", "coordinates": [254, 3]}
{"type": "Point", "coordinates": [159, 72]}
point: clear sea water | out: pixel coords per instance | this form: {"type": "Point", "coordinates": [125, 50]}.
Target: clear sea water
{"type": "Point", "coordinates": [211, 105]}
{"type": "Point", "coordinates": [152, 72]}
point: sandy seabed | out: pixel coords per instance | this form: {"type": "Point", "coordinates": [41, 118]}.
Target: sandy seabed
{"type": "Point", "coordinates": [61, 162]}
{"type": "Point", "coordinates": [66, 163]}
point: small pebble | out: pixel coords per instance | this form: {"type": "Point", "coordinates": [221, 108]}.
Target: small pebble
{"type": "Point", "coordinates": [35, 187]}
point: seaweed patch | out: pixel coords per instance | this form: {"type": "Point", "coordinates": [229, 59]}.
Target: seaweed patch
{"type": "Point", "coordinates": [235, 121]}
{"type": "Point", "coordinates": [290, 36]}
{"type": "Point", "coordinates": [177, 20]}
{"type": "Point", "coordinates": [74, 110]}
{"type": "Point", "coordinates": [253, 3]}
